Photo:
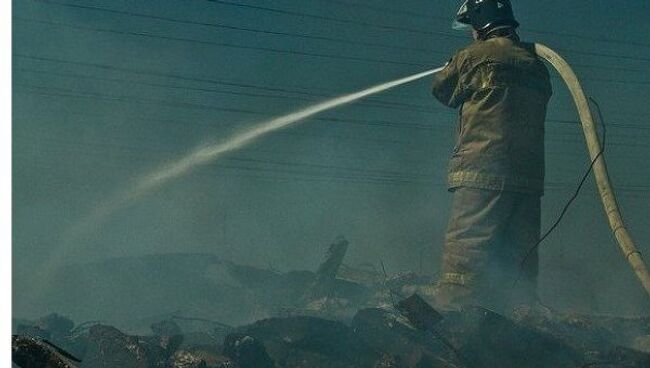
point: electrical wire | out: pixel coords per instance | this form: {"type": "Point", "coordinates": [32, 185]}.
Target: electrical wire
{"type": "Point", "coordinates": [421, 64]}
{"type": "Point", "coordinates": [287, 175]}
{"type": "Point", "coordinates": [290, 34]}
{"type": "Point", "coordinates": [64, 92]}
{"type": "Point", "coordinates": [397, 28]}
{"type": "Point", "coordinates": [557, 222]}
{"type": "Point", "coordinates": [293, 89]}
{"type": "Point", "coordinates": [222, 44]}
{"type": "Point", "coordinates": [410, 14]}
{"type": "Point", "coordinates": [370, 103]}
{"type": "Point", "coordinates": [373, 104]}
{"type": "Point", "coordinates": [238, 28]}
{"type": "Point", "coordinates": [306, 91]}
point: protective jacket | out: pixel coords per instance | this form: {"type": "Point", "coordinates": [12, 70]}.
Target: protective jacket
{"type": "Point", "coordinates": [502, 89]}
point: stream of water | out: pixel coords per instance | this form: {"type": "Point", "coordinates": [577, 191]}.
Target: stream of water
{"type": "Point", "coordinates": [210, 153]}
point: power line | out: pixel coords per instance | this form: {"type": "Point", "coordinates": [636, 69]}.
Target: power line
{"type": "Point", "coordinates": [155, 153]}
{"type": "Point", "coordinates": [289, 34]}
{"type": "Point", "coordinates": [410, 107]}
{"type": "Point", "coordinates": [164, 75]}
{"type": "Point", "coordinates": [392, 106]}
{"type": "Point", "coordinates": [535, 247]}
{"type": "Point", "coordinates": [338, 20]}
{"type": "Point", "coordinates": [602, 80]}
{"type": "Point", "coordinates": [394, 28]}
{"type": "Point", "coordinates": [285, 89]}
{"type": "Point", "coordinates": [382, 178]}
{"type": "Point", "coordinates": [281, 133]}
{"type": "Point", "coordinates": [239, 28]}
{"type": "Point", "coordinates": [529, 30]}
{"type": "Point", "coordinates": [291, 89]}
{"type": "Point", "coordinates": [223, 44]}
{"type": "Point", "coordinates": [302, 90]}
{"type": "Point", "coordinates": [286, 177]}
{"type": "Point", "coordinates": [281, 51]}
{"type": "Point", "coordinates": [264, 152]}
{"type": "Point", "coordinates": [248, 173]}
{"type": "Point", "coordinates": [62, 92]}
{"type": "Point", "coordinates": [298, 175]}
{"type": "Point", "coordinates": [138, 148]}
{"type": "Point", "coordinates": [130, 81]}
{"type": "Point", "coordinates": [289, 133]}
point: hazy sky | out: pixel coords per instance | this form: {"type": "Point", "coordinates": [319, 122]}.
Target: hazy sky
{"type": "Point", "coordinates": [105, 91]}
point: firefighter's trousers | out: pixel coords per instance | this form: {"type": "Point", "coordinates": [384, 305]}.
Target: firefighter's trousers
{"type": "Point", "coordinates": [488, 235]}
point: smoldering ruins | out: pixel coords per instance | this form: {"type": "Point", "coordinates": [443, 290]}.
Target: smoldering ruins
{"type": "Point", "coordinates": [335, 316]}
{"type": "Point", "coordinates": [236, 263]}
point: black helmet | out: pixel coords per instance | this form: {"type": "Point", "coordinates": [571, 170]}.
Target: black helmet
{"type": "Point", "coordinates": [483, 15]}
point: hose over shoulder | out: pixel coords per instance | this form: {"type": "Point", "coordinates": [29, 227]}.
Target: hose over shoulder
{"type": "Point", "coordinates": [607, 195]}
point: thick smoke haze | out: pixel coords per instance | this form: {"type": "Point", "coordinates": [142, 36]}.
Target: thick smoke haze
{"type": "Point", "coordinates": [107, 91]}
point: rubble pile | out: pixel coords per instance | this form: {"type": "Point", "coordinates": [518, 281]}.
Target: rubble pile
{"type": "Point", "coordinates": [408, 336]}
{"type": "Point", "coordinates": [336, 317]}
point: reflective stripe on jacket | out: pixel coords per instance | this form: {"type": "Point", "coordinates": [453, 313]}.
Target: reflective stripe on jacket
{"type": "Point", "coordinates": [502, 89]}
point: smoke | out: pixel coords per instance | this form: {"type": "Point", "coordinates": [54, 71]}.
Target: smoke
{"type": "Point", "coordinates": [207, 154]}
{"type": "Point", "coordinates": [200, 156]}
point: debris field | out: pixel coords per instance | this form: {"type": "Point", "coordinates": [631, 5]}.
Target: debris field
{"type": "Point", "coordinates": [339, 317]}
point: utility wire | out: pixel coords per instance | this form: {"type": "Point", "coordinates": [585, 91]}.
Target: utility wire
{"type": "Point", "coordinates": [373, 104]}
{"type": "Point", "coordinates": [301, 174]}
{"type": "Point", "coordinates": [294, 89]}
{"type": "Point", "coordinates": [409, 107]}
{"type": "Point", "coordinates": [90, 147]}
{"type": "Point", "coordinates": [222, 44]}
{"type": "Point", "coordinates": [62, 92]}
{"type": "Point", "coordinates": [137, 148]}
{"type": "Point", "coordinates": [394, 28]}
{"type": "Point", "coordinates": [290, 34]}
{"type": "Point", "coordinates": [200, 79]}
{"type": "Point", "coordinates": [421, 64]}
{"type": "Point", "coordinates": [290, 98]}
{"type": "Point", "coordinates": [270, 167]}
{"type": "Point", "coordinates": [278, 33]}
{"type": "Point", "coordinates": [264, 152]}
{"type": "Point", "coordinates": [238, 28]}
{"type": "Point", "coordinates": [405, 178]}
{"type": "Point", "coordinates": [421, 15]}
{"type": "Point", "coordinates": [339, 20]}
{"type": "Point", "coordinates": [557, 222]}
{"type": "Point", "coordinates": [285, 89]}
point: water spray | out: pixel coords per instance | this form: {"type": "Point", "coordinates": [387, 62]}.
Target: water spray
{"type": "Point", "coordinates": [206, 154]}
{"type": "Point", "coordinates": [213, 152]}
{"type": "Point", "coordinates": [201, 156]}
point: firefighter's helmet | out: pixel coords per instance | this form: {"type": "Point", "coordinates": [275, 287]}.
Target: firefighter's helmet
{"type": "Point", "coordinates": [484, 15]}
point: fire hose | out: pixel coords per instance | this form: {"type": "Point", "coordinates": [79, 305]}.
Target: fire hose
{"type": "Point", "coordinates": [607, 195]}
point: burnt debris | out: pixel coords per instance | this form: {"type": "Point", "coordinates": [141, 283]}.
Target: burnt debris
{"type": "Point", "coordinates": [336, 317]}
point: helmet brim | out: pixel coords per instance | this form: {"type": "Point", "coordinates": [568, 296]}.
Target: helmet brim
{"type": "Point", "coordinates": [460, 26]}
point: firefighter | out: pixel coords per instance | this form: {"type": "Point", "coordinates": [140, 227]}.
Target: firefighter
{"type": "Point", "coordinates": [496, 172]}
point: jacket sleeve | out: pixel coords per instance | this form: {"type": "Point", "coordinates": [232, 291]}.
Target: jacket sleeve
{"type": "Point", "coordinates": [448, 85]}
